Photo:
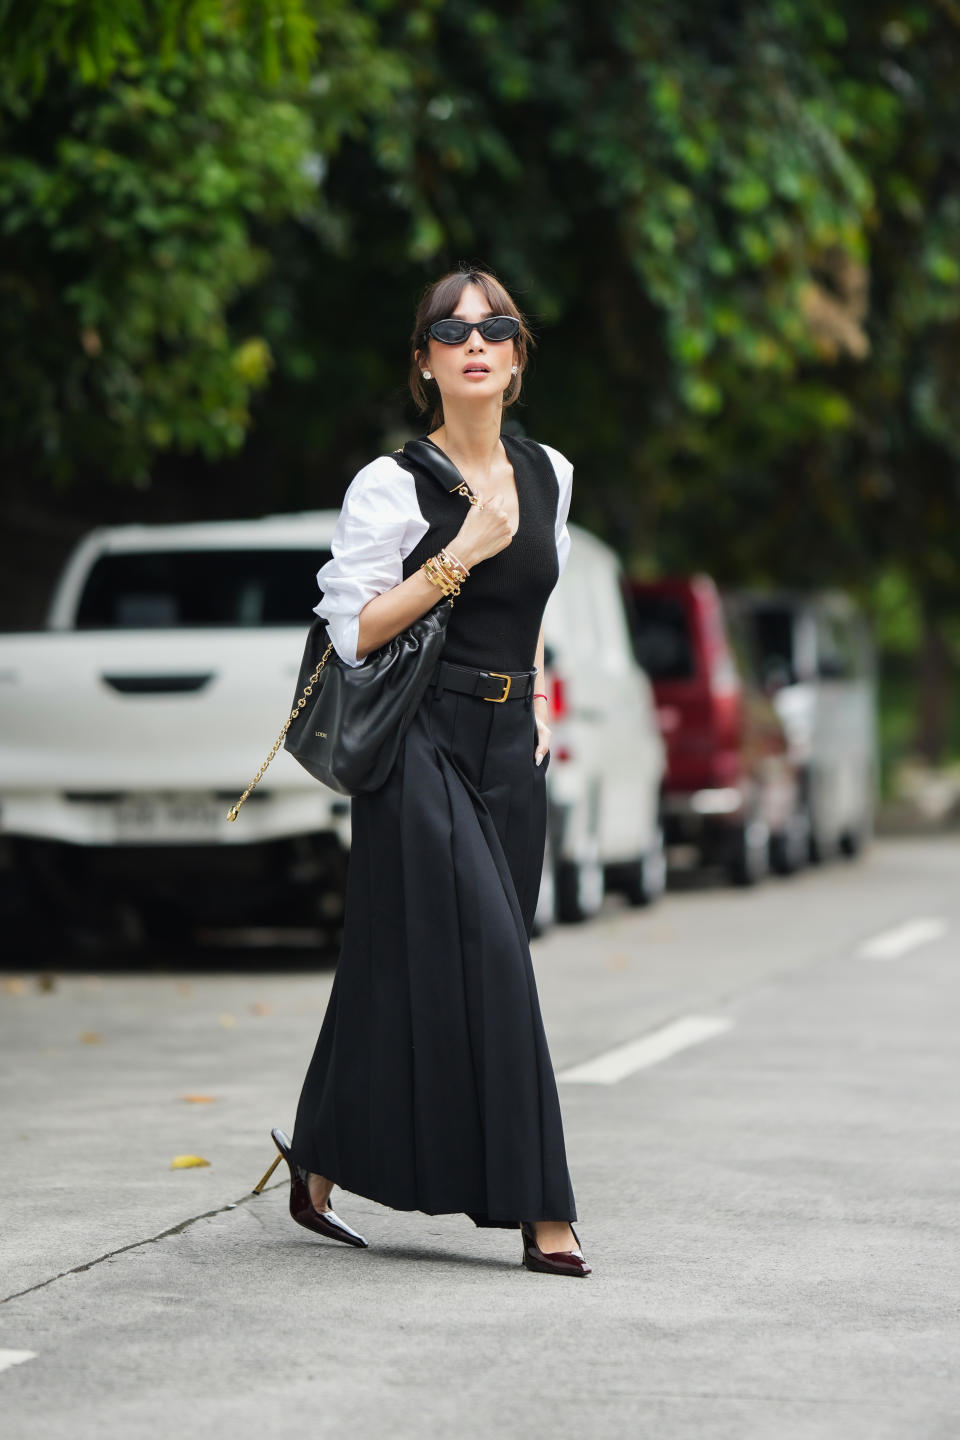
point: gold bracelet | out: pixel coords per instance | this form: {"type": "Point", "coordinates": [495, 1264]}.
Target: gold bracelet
{"type": "Point", "coordinates": [439, 577]}
{"type": "Point", "coordinates": [455, 577]}
{"type": "Point", "coordinates": [434, 576]}
{"type": "Point", "coordinates": [451, 570]}
{"type": "Point", "coordinates": [457, 565]}
{"type": "Point", "coordinates": [450, 567]}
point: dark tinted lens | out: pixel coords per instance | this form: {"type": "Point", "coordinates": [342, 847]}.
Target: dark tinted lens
{"type": "Point", "coordinates": [450, 332]}
{"type": "Point", "coordinates": [500, 327]}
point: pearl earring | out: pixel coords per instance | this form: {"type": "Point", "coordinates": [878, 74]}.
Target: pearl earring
{"type": "Point", "coordinates": [427, 375]}
{"type": "Point", "coordinates": [514, 369]}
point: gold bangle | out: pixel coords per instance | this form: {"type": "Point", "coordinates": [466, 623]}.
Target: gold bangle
{"type": "Point", "coordinates": [437, 576]}
{"type": "Point", "coordinates": [452, 560]}
{"type": "Point", "coordinates": [450, 573]}
{"type": "Point", "coordinates": [433, 575]}
{"type": "Point", "coordinates": [447, 564]}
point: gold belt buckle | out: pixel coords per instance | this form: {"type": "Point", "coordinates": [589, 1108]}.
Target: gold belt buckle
{"type": "Point", "coordinates": [507, 679]}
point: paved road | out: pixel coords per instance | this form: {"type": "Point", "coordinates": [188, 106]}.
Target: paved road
{"type": "Point", "coordinates": [771, 1211]}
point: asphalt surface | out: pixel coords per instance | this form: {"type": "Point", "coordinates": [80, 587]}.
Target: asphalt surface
{"type": "Point", "coordinates": [771, 1212]}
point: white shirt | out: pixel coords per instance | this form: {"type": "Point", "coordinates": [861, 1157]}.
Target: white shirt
{"type": "Point", "coordinates": [380, 523]}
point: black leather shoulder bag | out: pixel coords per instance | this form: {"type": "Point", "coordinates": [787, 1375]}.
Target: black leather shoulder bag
{"type": "Point", "coordinates": [350, 720]}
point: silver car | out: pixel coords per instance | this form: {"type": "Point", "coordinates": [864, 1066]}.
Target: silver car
{"type": "Point", "coordinates": [815, 658]}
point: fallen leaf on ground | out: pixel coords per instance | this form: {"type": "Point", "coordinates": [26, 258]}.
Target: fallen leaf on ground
{"type": "Point", "coordinates": [187, 1162]}
{"type": "Point", "coordinates": [13, 985]}
{"type": "Point", "coordinates": [260, 1007]}
{"type": "Point", "coordinates": [227, 1020]}
{"type": "Point", "coordinates": [90, 1037]}
{"type": "Point", "coordinates": [46, 982]}
{"type": "Point", "coordinates": [199, 1099]}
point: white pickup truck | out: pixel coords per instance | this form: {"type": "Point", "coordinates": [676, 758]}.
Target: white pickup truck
{"type": "Point", "coordinates": [129, 727]}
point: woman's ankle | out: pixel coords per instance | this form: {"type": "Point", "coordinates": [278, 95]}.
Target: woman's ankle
{"type": "Point", "coordinates": [320, 1190]}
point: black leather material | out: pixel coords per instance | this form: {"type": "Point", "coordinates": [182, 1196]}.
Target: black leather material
{"type": "Point", "coordinates": [429, 458]}
{"type": "Point", "coordinates": [484, 684]}
{"type": "Point", "coordinates": [348, 734]}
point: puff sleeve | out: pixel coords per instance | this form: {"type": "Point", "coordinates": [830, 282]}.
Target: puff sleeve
{"type": "Point", "coordinates": [564, 472]}
{"type": "Point", "coordinates": [380, 523]}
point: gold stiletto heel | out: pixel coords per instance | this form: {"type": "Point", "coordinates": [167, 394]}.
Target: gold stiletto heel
{"type": "Point", "coordinates": [258, 1188]}
{"type": "Point", "coordinates": [302, 1208]}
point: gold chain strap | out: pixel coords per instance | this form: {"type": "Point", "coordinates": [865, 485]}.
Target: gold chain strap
{"type": "Point", "coordinates": [234, 810]}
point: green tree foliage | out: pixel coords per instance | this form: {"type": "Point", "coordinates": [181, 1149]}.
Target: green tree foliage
{"type": "Point", "coordinates": [670, 190]}
{"type": "Point", "coordinates": [905, 453]}
{"type": "Point", "coordinates": [94, 39]}
{"type": "Point", "coordinates": [145, 158]}
{"type": "Point", "coordinates": [690, 199]}
{"type": "Point", "coordinates": [664, 187]}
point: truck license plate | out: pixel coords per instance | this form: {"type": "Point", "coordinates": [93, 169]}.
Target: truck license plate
{"type": "Point", "coordinates": [147, 817]}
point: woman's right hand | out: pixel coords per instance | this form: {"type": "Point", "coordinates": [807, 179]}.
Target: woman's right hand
{"type": "Point", "coordinates": [484, 532]}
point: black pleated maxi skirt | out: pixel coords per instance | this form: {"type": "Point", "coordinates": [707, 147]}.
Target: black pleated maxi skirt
{"type": "Point", "coordinates": [431, 1086]}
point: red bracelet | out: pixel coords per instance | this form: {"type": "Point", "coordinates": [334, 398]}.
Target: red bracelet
{"type": "Point", "coordinates": [541, 697]}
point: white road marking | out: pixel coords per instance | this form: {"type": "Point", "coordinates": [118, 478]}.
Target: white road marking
{"type": "Point", "coordinates": [15, 1357]}
{"type": "Point", "coordinates": [891, 944]}
{"type": "Point", "coordinates": [647, 1050]}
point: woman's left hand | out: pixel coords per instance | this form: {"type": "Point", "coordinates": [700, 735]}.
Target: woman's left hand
{"type": "Point", "coordinates": [543, 733]}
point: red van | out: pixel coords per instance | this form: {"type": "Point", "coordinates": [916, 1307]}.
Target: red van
{"type": "Point", "coordinates": [731, 788]}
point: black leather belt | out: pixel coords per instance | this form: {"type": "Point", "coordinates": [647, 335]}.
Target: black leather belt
{"type": "Point", "coordinates": [494, 685]}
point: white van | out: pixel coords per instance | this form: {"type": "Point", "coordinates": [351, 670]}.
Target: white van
{"type": "Point", "coordinates": [607, 756]}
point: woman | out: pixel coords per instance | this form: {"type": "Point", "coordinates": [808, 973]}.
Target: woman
{"type": "Point", "coordinates": [431, 1086]}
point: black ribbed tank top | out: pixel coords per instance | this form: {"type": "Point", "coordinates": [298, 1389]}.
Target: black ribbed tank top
{"type": "Point", "coordinates": [495, 621]}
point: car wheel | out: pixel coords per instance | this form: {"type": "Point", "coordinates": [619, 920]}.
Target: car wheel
{"type": "Point", "coordinates": [822, 847]}
{"type": "Point", "coordinates": [580, 888]}
{"type": "Point", "coordinates": [751, 859]}
{"type": "Point", "coordinates": [855, 840]}
{"type": "Point", "coordinates": [790, 847]}
{"type": "Point", "coordinates": [645, 879]}
{"type": "Point", "coordinates": [822, 844]}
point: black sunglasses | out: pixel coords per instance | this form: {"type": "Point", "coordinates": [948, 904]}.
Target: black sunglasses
{"type": "Point", "coordinates": [454, 332]}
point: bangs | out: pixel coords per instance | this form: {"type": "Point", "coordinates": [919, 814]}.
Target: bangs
{"type": "Point", "coordinates": [444, 297]}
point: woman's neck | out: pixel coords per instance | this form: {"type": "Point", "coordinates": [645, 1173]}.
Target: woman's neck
{"type": "Point", "coordinates": [469, 437]}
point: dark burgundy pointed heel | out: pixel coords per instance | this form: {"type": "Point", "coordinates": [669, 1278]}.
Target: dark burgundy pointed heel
{"type": "Point", "coordinates": [560, 1262]}
{"type": "Point", "coordinates": [302, 1208]}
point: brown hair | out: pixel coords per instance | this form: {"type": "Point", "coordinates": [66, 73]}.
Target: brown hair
{"type": "Point", "coordinates": [439, 301]}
